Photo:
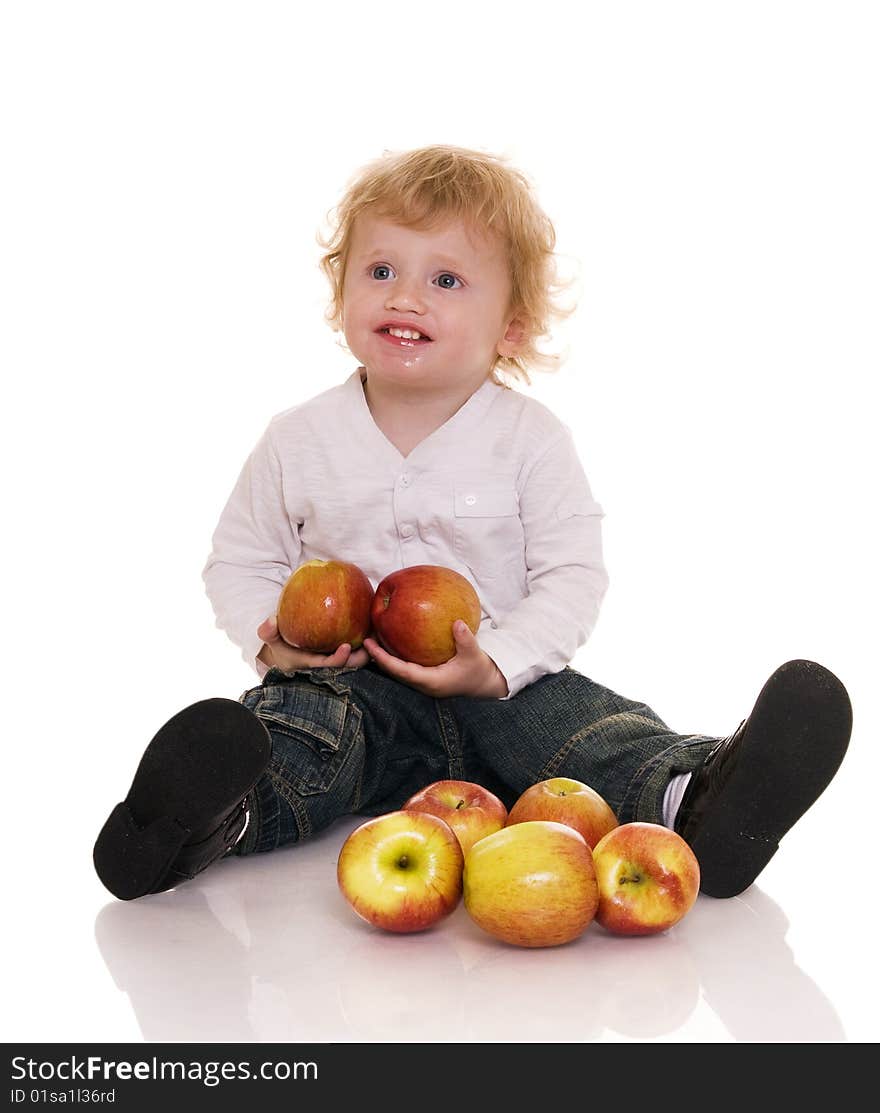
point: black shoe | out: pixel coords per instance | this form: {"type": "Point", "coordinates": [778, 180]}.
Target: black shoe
{"type": "Point", "coordinates": [756, 784]}
{"type": "Point", "coordinates": [187, 803]}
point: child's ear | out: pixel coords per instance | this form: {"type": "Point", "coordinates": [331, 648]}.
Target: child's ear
{"type": "Point", "coordinates": [515, 336]}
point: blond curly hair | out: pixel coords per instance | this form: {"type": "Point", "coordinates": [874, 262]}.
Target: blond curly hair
{"type": "Point", "coordinates": [421, 187]}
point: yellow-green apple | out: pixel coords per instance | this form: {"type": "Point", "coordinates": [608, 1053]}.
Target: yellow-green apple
{"type": "Point", "coordinates": [414, 610]}
{"type": "Point", "coordinates": [324, 604]}
{"type": "Point", "coordinates": [470, 810]}
{"type": "Point", "coordinates": [532, 884]}
{"type": "Point", "coordinates": [648, 879]}
{"type": "Point", "coordinates": [566, 801]}
{"type": "Point", "coordinates": [401, 871]}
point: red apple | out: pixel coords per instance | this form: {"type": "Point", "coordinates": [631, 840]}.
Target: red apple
{"type": "Point", "coordinates": [532, 884]}
{"type": "Point", "coordinates": [566, 801]}
{"type": "Point", "coordinates": [648, 879]}
{"type": "Point", "coordinates": [414, 609]}
{"type": "Point", "coordinates": [401, 871]}
{"type": "Point", "coordinates": [324, 604]}
{"type": "Point", "coordinates": [470, 810]}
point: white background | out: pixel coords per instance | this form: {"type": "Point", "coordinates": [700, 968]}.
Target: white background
{"type": "Point", "coordinates": [712, 172]}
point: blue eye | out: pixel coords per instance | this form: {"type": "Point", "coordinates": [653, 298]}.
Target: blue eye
{"type": "Point", "coordinates": [447, 281]}
{"type": "Point", "coordinates": [382, 271]}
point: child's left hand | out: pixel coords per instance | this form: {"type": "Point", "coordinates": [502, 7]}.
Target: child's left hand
{"type": "Point", "coordinates": [471, 672]}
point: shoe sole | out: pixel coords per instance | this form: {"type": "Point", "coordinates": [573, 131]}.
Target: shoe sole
{"type": "Point", "coordinates": [793, 744]}
{"type": "Point", "coordinates": [199, 765]}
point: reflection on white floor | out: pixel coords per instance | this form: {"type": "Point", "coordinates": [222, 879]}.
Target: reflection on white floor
{"type": "Point", "coordinates": [265, 949]}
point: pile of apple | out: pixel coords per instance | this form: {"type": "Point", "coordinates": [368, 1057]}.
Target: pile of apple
{"type": "Point", "coordinates": [535, 877]}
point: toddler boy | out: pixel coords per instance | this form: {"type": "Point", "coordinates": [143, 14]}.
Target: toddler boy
{"type": "Point", "coordinates": [442, 270]}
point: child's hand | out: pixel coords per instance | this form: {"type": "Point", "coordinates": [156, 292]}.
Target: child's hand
{"type": "Point", "coordinates": [278, 654]}
{"type": "Point", "coordinates": [471, 672]}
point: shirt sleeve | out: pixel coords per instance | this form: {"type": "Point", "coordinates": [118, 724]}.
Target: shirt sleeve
{"type": "Point", "coordinates": [255, 548]}
{"type": "Point", "coordinates": [566, 576]}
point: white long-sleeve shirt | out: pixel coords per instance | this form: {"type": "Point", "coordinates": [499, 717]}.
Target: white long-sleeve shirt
{"type": "Point", "coordinates": [497, 493]}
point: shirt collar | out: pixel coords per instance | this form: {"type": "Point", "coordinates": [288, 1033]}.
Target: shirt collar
{"type": "Point", "coordinates": [467, 417]}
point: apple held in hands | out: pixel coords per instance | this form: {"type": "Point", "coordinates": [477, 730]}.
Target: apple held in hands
{"type": "Point", "coordinates": [648, 879]}
{"type": "Point", "coordinates": [568, 801]}
{"type": "Point", "coordinates": [324, 604]}
{"type": "Point", "coordinates": [414, 609]}
{"type": "Point", "coordinates": [401, 871]}
{"type": "Point", "coordinates": [470, 810]}
{"type": "Point", "coordinates": [532, 884]}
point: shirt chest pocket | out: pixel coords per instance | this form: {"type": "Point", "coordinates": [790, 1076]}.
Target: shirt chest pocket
{"type": "Point", "coordinates": [488, 530]}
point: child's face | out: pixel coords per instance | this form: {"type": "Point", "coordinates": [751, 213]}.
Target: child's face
{"type": "Point", "coordinates": [451, 288]}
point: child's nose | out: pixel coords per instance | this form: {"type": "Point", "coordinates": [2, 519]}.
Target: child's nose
{"type": "Point", "coordinates": [405, 296]}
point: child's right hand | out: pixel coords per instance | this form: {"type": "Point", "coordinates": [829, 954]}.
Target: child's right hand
{"type": "Point", "coordinates": [276, 653]}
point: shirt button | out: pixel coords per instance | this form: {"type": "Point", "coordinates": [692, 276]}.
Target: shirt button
{"type": "Point", "coordinates": [404, 481]}
{"type": "Point", "coordinates": [469, 500]}
{"type": "Point", "coordinates": [406, 531]}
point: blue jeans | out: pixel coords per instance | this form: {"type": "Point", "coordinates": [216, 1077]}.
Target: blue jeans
{"type": "Point", "coordinates": [356, 742]}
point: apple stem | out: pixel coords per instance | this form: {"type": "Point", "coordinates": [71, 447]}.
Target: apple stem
{"type": "Point", "coordinates": [403, 861]}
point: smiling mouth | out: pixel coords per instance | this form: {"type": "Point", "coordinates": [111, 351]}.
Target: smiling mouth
{"type": "Point", "coordinates": [410, 335]}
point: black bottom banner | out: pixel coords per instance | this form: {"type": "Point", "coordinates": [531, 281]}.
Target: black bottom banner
{"type": "Point", "coordinates": [128, 1076]}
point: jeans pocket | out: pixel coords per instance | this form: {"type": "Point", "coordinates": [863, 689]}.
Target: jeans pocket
{"type": "Point", "coordinates": [314, 726]}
